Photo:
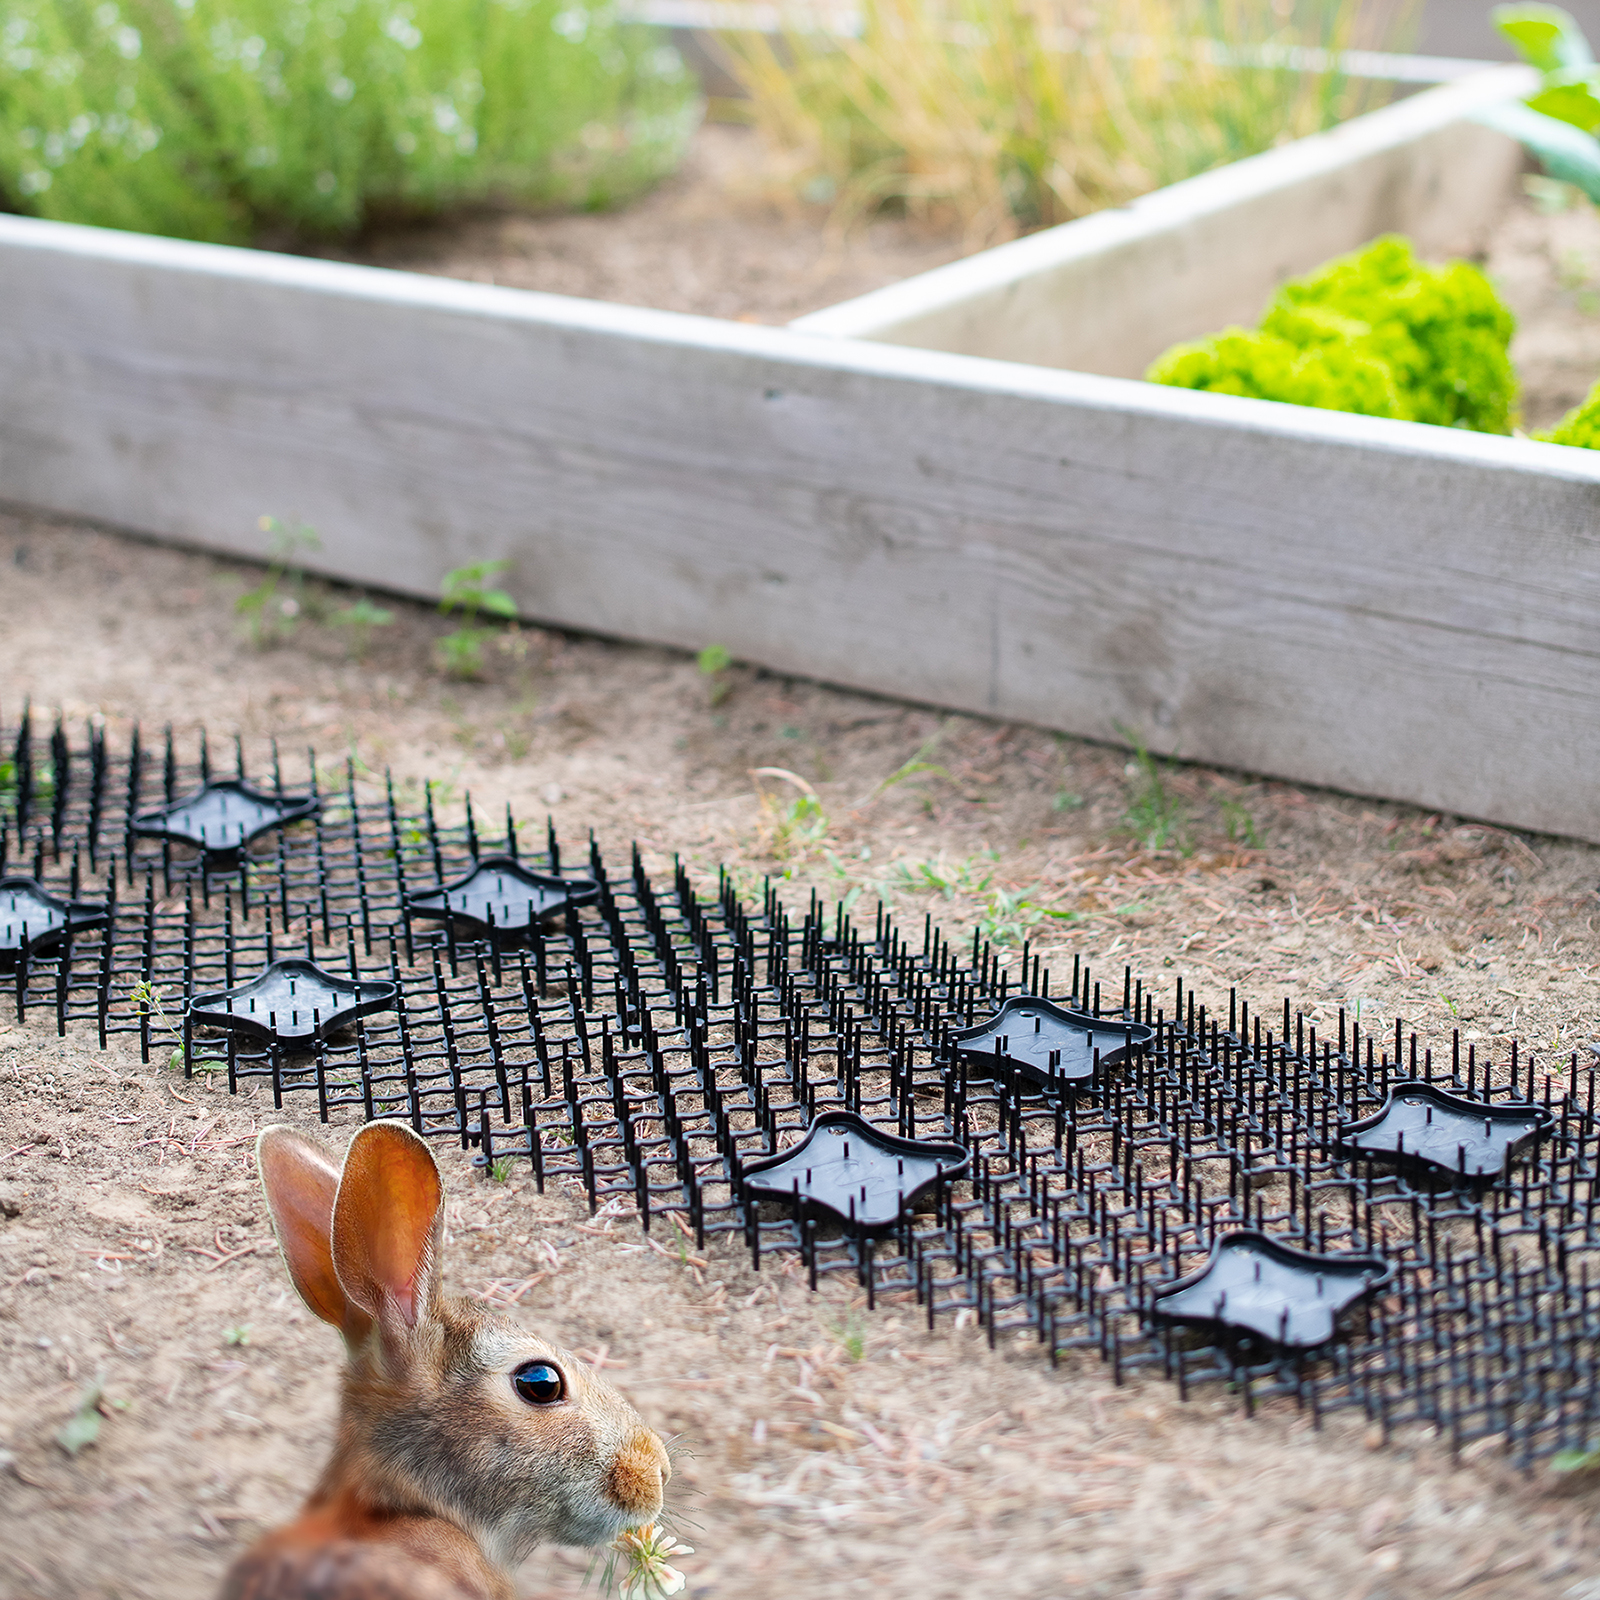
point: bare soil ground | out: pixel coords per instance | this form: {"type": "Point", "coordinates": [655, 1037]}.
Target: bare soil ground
{"type": "Point", "coordinates": [826, 1451]}
{"type": "Point", "coordinates": [725, 236]}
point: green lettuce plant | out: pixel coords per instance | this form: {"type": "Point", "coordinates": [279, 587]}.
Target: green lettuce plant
{"type": "Point", "coordinates": [1560, 122]}
{"type": "Point", "coordinates": [1376, 332]}
{"type": "Point", "coordinates": [1580, 426]}
{"type": "Point", "coordinates": [238, 120]}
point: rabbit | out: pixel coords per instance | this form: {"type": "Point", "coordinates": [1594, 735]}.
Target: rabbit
{"type": "Point", "coordinates": [463, 1440]}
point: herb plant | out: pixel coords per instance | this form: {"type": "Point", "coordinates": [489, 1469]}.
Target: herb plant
{"type": "Point", "coordinates": [1376, 332]}
{"type": "Point", "coordinates": [234, 120]}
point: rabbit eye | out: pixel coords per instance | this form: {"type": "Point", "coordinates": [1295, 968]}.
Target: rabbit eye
{"type": "Point", "coordinates": [538, 1383]}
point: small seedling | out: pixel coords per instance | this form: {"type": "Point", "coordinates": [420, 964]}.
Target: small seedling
{"type": "Point", "coordinates": [850, 1334]}
{"type": "Point", "coordinates": [791, 830]}
{"type": "Point", "coordinates": [1240, 825]}
{"type": "Point", "coordinates": [915, 767]}
{"type": "Point", "coordinates": [82, 1428]}
{"type": "Point", "coordinates": [361, 618]}
{"type": "Point", "coordinates": [500, 1170]}
{"type": "Point", "coordinates": [146, 1000]}
{"type": "Point", "coordinates": [269, 616]}
{"type": "Point", "coordinates": [465, 593]}
{"type": "Point", "coordinates": [1008, 918]}
{"type": "Point", "coordinates": [972, 876]}
{"type": "Point", "coordinates": [1154, 816]}
{"type": "Point", "coordinates": [1066, 800]}
{"type": "Point", "coordinates": [714, 662]}
{"type": "Point", "coordinates": [238, 1336]}
{"type": "Point", "coordinates": [44, 784]}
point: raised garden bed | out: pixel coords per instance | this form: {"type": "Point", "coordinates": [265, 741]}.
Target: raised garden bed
{"type": "Point", "coordinates": [1377, 606]}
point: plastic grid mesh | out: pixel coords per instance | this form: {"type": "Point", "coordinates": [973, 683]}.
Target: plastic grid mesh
{"type": "Point", "coordinates": [650, 1044]}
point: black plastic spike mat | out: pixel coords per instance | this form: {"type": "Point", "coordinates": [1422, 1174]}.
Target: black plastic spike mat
{"type": "Point", "coordinates": [656, 1036]}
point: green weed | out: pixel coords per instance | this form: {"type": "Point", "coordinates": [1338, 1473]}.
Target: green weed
{"type": "Point", "coordinates": [850, 1334]}
{"type": "Point", "coordinates": [465, 593]}
{"type": "Point", "coordinates": [1008, 918]}
{"type": "Point", "coordinates": [790, 829]}
{"type": "Point", "coordinates": [797, 827]}
{"type": "Point", "coordinates": [915, 767]}
{"type": "Point", "coordinates": [237, 1336]}
{"type": "Point", "coordinates": [146, 1000]}
{"type": "Point", "coordinates": [1154, 816]}
{"type": "Point", "coordinates": [361, 618]}
{"type": "Point", "coordinates": [82, 1428]}
{"type": "Point", "coordinates": [1240, 825]}
{"type": "Point", "coordinates": [42, 791]}
{"type": "Point", "coordinates": [972, 876]}
{"type": "Point", "coordinates": [713, 663]}
{"type": "Point", "coordinates": [270, 616]}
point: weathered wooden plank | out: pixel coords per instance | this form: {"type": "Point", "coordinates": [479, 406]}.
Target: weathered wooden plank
{"type": "Point", "coordinates": [1110, 292]}
{"type": "Point", "coordinates": [1387, 608]}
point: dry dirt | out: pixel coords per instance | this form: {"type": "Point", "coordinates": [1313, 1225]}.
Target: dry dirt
{"type": "Point", "coordinates": [724, 236]}
{"type": "Point", "coordinates": [825, 1451]}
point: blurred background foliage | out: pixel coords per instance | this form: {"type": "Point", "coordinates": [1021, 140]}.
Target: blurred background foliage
{"type": "Point", "coordinates": [1006, 115]}
{"type": "Point", "coordinates": [283, 120]}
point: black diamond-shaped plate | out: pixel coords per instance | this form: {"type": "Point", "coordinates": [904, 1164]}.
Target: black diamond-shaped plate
{"type": "Point", "coordinates": [1448, 1133]}
{"type": "Point", "coordinates": [1048, 1043]}
{"type": "Point", "coordinates": [500, 896]}
{"type": "Point", "coordinates": [291, 1001]}
{"type": "Point", "coordinates": [856, 1171]}
{"type": "Point", "coordinates": [1257, 1285]}
{"type": "Point", "coordinates": [221, 819]}
{"type": "Point", "coordinates": [30, 913]}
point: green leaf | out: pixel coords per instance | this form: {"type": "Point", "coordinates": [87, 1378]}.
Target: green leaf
{"type": "Point", "coordinates": [498, 603]}
{"type": "Point", "coordinates": [1545, 36]}
{"type": "Point", "coordinates": [714, 658]}
{"type": "Point", "coordinates": [1574, 1460]}
{"type": "Point", "coordinates": [1570, 97]}
{"type": "Point", "coordinates": [1564, 151]}
{"type": "Point", "coordinates": [82, 1428]}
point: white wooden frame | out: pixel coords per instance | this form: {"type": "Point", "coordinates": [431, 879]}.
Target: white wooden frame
{"type": "Point", "coordinates": [1383, 607]}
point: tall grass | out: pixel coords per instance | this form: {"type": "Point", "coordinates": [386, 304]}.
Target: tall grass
{"type": "Point", "coordinates": [1006, 115]}
{"type": "Point", "coordinates": [234, 119]}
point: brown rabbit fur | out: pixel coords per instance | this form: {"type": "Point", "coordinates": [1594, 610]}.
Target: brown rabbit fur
{"type": "Point", "coordinates": [444, 1475]}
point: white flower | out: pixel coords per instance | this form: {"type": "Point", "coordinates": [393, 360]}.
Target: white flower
{"type": "Point", "coordinates": [650, 1576]}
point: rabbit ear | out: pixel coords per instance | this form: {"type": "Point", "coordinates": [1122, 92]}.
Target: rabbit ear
{"type": "Point", "coordinates": [387, 1218]}
{"type": "Point", "coordinates": [300, 1182]}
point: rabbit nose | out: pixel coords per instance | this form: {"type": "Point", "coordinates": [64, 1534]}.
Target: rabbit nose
{"type": "Point", "coordinates": [638, 1473]}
